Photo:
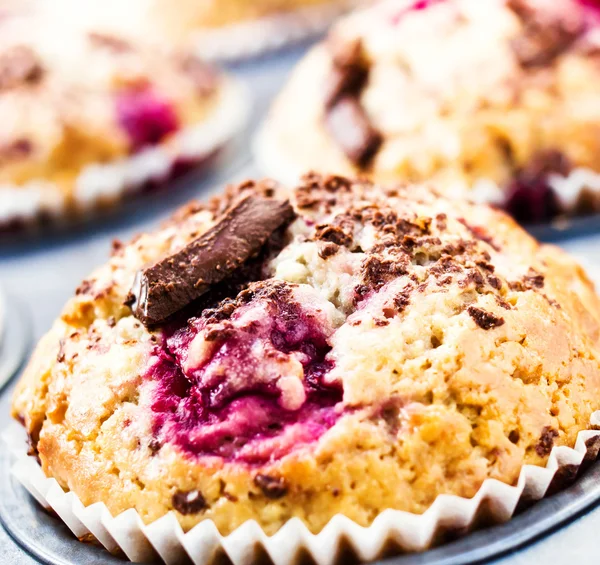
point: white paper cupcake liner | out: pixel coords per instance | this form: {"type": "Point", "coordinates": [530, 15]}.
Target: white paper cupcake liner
{"type": "Point", "coordinates": [495, 501]}
{"type": "Point", "coordinates": [107, 183]}
{"type": "Point", "coordinates": [249, 39]}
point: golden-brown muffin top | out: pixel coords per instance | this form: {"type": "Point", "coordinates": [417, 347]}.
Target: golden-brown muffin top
{"type": "Point", "coordinates": [386, 346]}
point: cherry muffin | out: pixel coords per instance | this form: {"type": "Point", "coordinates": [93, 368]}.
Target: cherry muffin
{"type": "Point", "coordinates": [89, 116]}
{"type": "Point", "coordinates": [497, 100]}
{"type": "Point", "coordinates": [338, 348]}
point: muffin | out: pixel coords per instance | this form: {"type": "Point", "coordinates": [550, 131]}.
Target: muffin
{"type": "Point", "coordinates": [214, 29]}
{"type": "Point", "coordinates": [239, 29]}
{"type": "Point", "coordinates": [336, 348]}
{"type": "Point", "coordinates": [498, 101]}
{"type": "Point", "coordinates": [89, 116]}
{"type": "Point", "coordinates": [210, 14]}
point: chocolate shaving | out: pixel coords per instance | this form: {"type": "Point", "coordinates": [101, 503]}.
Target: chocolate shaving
{"type": "Point", "coordinates": [485, 320]}
{"type": "Point", "coordinates": [191, 502]}
{"type": "Point", "coordinates": [174, 282]}
{"type": "Point", "coordinates": [546, 441]}
{"type": "Point", "coordinates": [271, 487]}
{"type": "Point", "coordinates": [349, 125]}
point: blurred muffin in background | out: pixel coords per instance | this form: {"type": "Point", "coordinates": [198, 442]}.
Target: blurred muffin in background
{"type": "Point", "coordinates": [232, 29]}
{"type": "Point", "coordinates": [214, 29]}
{"type": "Point", "coordinates": [499, 101]}
{"type": "Point", "coordinates": [89, 116]}
{"type": "Point", "coordinates": [219, 13]}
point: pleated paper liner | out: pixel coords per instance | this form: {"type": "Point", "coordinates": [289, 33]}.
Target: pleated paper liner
{"type": "Point", "coordinates": [448, 516]}
{"type": "Point", "coordinates": [101, 187]}
{"type": "Point", "coordinates": [250, 39]}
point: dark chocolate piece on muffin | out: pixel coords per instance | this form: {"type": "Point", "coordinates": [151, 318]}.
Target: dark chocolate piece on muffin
{"type": "Point", "coordinates": [172, 283]}
{"type": "Point", "coordinates": [345, 118]}
{"type": "Point", "coordinates": [349, 124]}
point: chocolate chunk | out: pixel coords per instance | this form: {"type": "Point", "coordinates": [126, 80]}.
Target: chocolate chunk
{"type": "Point", "coordinates": [350, 72]}
{"type": "Point", "coordinates": [271, 487]}
{"type": "Point", "coordinates": [345, 117]}
{"type": "Point", "coordinates": [18, 66]}
{"type": "Point", "coordinates": [190, 502]}
{"type": "Point", "coordinates": [349, 125]}
{"type": "Point", "coordinates": [172, 283]}
{"type": "Point", "coordinates": [402, 300]}
{"type": "Point", "coordinates": [546, 442]}
{"type": "Point", "coordinates": [328, 249]}
{"type": "Point", "coordinates": [533, 279]}
{"type": "Point", "coordinates": [340, 232]}
{"type": "Point", "coordinates": [154, 446]}
{"type": "Point", "coordinates": [485, 320]}
{"type": "Point", "coordinates": [377, 271]}
{"type": "Point", "coordinates": [85, 287]}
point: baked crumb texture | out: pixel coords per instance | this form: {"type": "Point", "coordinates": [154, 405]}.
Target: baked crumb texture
{"type": "Point", "coordinates": [389, 346]}
{"type": "Point", "coordinates": [89, 116]}
{"type": "Point", "coordinates": [496, 100]}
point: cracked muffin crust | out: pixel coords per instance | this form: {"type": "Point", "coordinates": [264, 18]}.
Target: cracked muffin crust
{"type": "Point", "coordinates": [89, 116]}
{"type": "Point", "coordinates": [496, 100]}
{"type": "Point", "coordinates": [383, 346]}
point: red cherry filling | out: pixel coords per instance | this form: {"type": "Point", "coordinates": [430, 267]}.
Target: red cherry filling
{"type": "Point", "coordinates": [593, 4]}
{"type": "Point", "coordinates": [145, 116]}
{"type": "Point", "coordinates": [417, 6]}
{"type": "Point", "coordinates": [531, 203]}
{"type": "Point", "coordinates": [248, 388]}
{"type": "Point", "coordinates": [530, 198]}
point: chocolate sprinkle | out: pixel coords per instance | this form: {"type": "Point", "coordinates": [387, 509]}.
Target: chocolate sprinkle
{"type": "Point", "coordinates": [190, 502]}
{"type": "Point", "coordinates": [174, 282]}
{"type": "Point", "coordinates": [271, 487]}
{"type": "Point", "coordinates": [485, 320]}
{"type": "Point", "coordinates": [546, 442]}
